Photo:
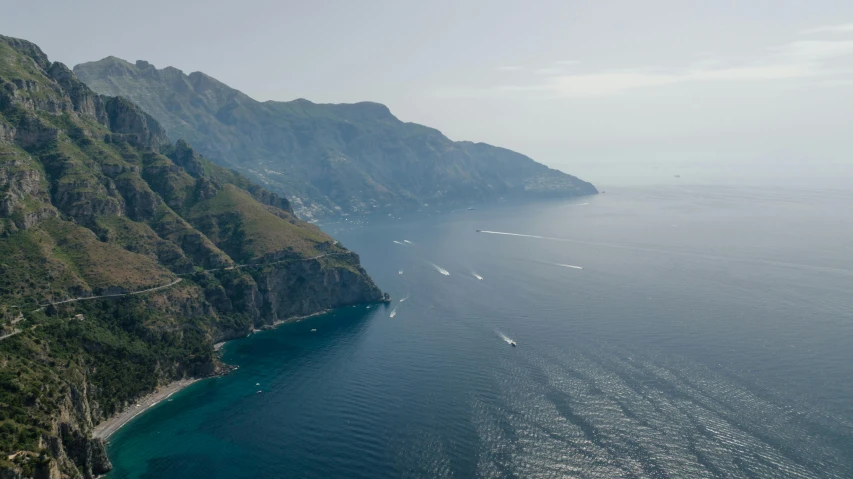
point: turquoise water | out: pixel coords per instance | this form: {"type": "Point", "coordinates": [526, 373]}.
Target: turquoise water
{"type": "Point", "coordinates": [707, 335]}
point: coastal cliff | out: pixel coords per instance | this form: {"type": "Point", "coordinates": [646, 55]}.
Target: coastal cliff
{"type": "Point", "coordinates": [331, 159]}
{"type": "Point", "coordinates": [124, 258]}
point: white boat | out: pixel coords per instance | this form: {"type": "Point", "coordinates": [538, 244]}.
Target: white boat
{"type": "Point", "coordinates": [512, 343]}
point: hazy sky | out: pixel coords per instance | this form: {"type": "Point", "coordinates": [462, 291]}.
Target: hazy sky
{"type": "Point", "coordinates": [745, 92]}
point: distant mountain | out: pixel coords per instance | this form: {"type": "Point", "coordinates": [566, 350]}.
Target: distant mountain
{"type": "Point", "coordinates": [96, 201]}
{"type": "Point", "coordinates": [327, 159]}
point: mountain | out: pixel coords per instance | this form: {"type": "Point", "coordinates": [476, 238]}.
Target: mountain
{"type": "Point", "coordinates": [328, 159]}
{"type": "Point", "coordinates": [96, 201]}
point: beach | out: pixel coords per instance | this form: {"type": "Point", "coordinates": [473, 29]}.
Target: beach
{"type": "Point", "coordinates": [106, 428]}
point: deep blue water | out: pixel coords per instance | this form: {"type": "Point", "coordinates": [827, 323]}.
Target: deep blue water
{"type": "Point", "coordinates": [709, 334]}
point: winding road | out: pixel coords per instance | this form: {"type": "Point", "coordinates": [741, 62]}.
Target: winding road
{"type": "Point", "coordinates": [110, 295]}
{"type": "Point", "coordinates": [10, 334]}
{"type": "Point", "coordinates": [239, 266]}
{"type": "Point", "coordinates": [156, 288]}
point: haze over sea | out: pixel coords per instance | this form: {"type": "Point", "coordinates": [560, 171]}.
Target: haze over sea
{"type": "Point", "coordinates": [708, 334]}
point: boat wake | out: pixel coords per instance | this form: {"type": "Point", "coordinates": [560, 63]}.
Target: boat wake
{"type": "Point", "coordinates": [440, 269]}
{"type": "Point", "coordinates": [477, 276]}
{"type": "Point", "coordinates": [521, 235]}
{"type": "Point", "coordinates": [568, 266]}
{"type": "Point", "coordinates": [404, 299]}
{"type": "Point", "coordinates": [506, 338]}
{"type": "Point", "coordinates": [407, 241]}
{"type": "Point", "coordinates": [783, 264]}
{"type": "Point", "coordinates": [397, 242]}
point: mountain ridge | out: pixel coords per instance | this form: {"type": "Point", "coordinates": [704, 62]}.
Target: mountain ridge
{"type": "Point", "coordinates": [97, 203]}
{"type": "Point", "coordinates": [328, 159]}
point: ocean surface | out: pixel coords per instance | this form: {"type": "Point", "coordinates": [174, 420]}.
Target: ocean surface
{"type": "Point", "coordinates": [709, 334]}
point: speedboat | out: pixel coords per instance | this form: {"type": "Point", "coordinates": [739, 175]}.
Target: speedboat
{"type": "Point", "coordinates": [512, 343]}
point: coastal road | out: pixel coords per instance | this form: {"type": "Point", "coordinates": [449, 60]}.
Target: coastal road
{"type": "Point", "coordinates": [85, 298]}
{"type": "Point", "coordinates": [14, 332]}
{"type": "Point", "coordinates": [156, 288]}
{"type": "Point", "coordinates": [21, 316]}
{"type": "Point", "coordinates": [179, 280]}
{"type": "Point", "coordinates": [239, 266]}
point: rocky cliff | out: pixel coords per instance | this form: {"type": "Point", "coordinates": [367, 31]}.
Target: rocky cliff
{"type": "Point", "coordinates": [329, 159]}
{"type": "Point", "coordinates": [95, 200]}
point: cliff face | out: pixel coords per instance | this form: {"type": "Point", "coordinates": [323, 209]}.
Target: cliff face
{"type": "Point", "coordinates": [331, 159]}
{"type": "Point", "coordinates": [95, 200]}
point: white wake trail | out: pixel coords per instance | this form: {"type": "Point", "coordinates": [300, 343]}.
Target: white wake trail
{"type": "Point", "coordinates": [521, 235]}
{"type": "Point", "coordinates": [407, 241]}
{"type": "Point", "coordinates": [783, 264]}
{"type": "Point", "coordinates": [397, 242]}
{"type": "Point", "coordinates": [440, 269]}
{"type": "Point", "coordinates": [568, 266]}
{"type": "Point", "coordinates": [477, 276]}
{"type": "Point", "coordinates": [504, 337]}
{"type": "Point", "coordinates": [404, 299]}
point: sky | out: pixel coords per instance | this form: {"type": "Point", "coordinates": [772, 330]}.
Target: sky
{"type": "Point", "coordinates": [617, 92]}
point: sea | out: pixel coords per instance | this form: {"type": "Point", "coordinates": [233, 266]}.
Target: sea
{"type": "Point", "coordinates": [648, 332]}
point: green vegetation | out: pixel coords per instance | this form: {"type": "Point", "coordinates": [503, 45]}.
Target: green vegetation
{"type": "Point", "coordinates": [252, 230]}
{"type": "Point", "coordinates": [94, 201]}
{"type": "Point", "coordinates": [355, 158]}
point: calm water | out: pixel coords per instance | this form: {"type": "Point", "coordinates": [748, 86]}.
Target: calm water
{"type": "Point", "coordinates": [709, 334]}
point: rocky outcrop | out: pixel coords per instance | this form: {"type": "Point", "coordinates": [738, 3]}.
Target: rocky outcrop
{"type": "Point", "coordinates": [10, 472]}
{"type": "Point", "coordinates": [47, 470]}
{"type": "Point", "coordinates": [271, 199]}
{"type": "Point", "coordinates": [317, 287]}
{"type": "Point", "coordinates": [85, 198]}
{"type": "Point", "coordinates": [32, 131]}
{"type": "Point", "coordinates": [71, 443]}
{"type": "Point", "coordinates": [23, 199]}
{"type": "Point", "coordinates": [186, 158]}
{"type": "Point", "coordinates": [123, 117]}
{"type": "Point", "coordinates": [140, 203]}
{"type": "Point", "coordinates": [94, 202]}
{"type": "Point", "coordinates": [33, 95]}
{"type": "Point", "coordinates": [294, 289]}
{"type": "Point", "coordinates": [7, 133]}
{"type": "Point", "coordinates": [83, 100]}
{"type": "Point", "coordinates": [330, 159]}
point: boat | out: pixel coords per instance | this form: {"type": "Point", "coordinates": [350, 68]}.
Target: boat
{"type": "Point", "coordinates": [512, 343]}
{"type": "Point", "coordinates": [478, 231]}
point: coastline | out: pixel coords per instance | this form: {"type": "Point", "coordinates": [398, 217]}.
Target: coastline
{"type": "Point", "coordinates": [106, 428]}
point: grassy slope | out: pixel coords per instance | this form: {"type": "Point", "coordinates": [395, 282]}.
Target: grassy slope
{"type": "Point", "coordinates": [357, 156]}
{"type": "Point", "coordinates": [118, 216]}
{"type": "Point", "coordinates": [259, 230]}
